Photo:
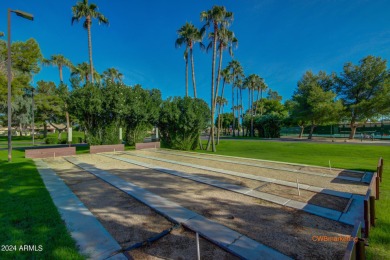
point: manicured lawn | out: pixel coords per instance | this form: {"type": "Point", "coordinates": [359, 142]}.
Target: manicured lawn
{"type": "Point", "coordinates": [348, 156]}
{"type": "Point", "coordinates": [28, 215]}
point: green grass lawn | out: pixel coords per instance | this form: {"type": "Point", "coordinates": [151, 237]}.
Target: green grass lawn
{"type": "Point", "coordinates": [348, 156]}
{"type": "Point", "coordinates": [28, 215]}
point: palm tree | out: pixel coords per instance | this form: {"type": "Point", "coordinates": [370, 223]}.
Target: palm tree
{"type": "Point", "coordinates": [60, 62]}
{"type": "Point", "coordinates": [226, 78]}
{"type": "Point", "coordinates": [216, 16]}
{"type": "Point", "coordinates": [220, 101]}
{"type": "Point", "coordinates": [237, 73]}
{"type": "Point", "coordinates": [113, 75]}
{"type": "Point", "coordinates": [260, 88]}
{"type": "Point", "coordinates": [189, 35]}
{"type": "Point", "coordinates": [251, 82]}
{"type": "Point", "coordinates": [88, 11]}
{"type": "Point", "coordinates": [83, 73]}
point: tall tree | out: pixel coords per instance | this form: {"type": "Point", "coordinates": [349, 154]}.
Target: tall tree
{"type": "Point", "coordinates": [88, 11]}
{"type": "Point", "coordinates": [113, 75]}
{"type": "Point", "coordinates": [364, 89]}
{"type": "Point", "coordinates": [189, 35]}
{"type": "Point", "coordinates": [252, 82]}
{"type": "Point", "coordinates": [60, 62]}
{"type": "Point", "coordinates": [215, 17]}
{"type": "Point", "coordinates": [314, 100]}
{"type": "Point", "coordinates": [226, 77]}
{"type": "Point", "coordinates": [48, 104]}
{"type": "Point", "coordinates": [83, 73]}
{"type": "Point", "coordinates": [237, 73]}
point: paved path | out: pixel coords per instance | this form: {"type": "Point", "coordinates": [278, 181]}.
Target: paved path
{"type": "Point", "coordinates": [91, 237]}
{"type": "Point", "coordinates": [309, 208]}
{"type": "Point", "coordinates": [269, 167]}
{"type": "Point", "coordinates": [226, 238]}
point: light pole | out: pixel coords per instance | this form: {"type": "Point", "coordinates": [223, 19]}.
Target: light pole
{"type": "Point", "coordinates": [29, 17]}
{"type": "Point", "coordinates": [33, 123]}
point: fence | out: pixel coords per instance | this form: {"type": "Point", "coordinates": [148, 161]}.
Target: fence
{"type": "Point", "coordinates": [356, 247]}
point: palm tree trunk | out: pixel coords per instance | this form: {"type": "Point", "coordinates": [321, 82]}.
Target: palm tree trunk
{"type": "Point", "coordinates": [60, 69]}
{"type": "Point", "coordinates": [261, 100]}
{"type": "Point", "coordinates": [233, 124]}
{"type": "Point", "coordinates": [187, 75]}
{"type": "Point", "coordinates": [257, 102]}
{"type": "Point", "coordinates": [241, 111]}
{"type": "Point", "coordinates": [238, 112]}
{"type": "Point", "coordinates": [252, 112]}
{"type": "Point", "coordinates": [218, 75]}
{"type": "Point", "coordinates": [219, 113]}
{"type": "Point", "coordinates": [90, 45]}
{"type": "Point", "coordinates": [193, 72]}
{"type": "Point", "coordinates": [212, 89]}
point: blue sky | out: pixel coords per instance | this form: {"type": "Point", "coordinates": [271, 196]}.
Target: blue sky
{"type": "Point", "coordinates": [278, 39]}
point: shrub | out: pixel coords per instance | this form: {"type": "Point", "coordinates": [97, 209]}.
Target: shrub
{"type": "Point", "coordinates": [51, 140]}
{"type": "Point", "coordinates": [181, 121]}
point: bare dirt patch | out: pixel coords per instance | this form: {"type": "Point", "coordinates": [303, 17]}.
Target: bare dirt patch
{"type": "Point", "coordinates": [319, 181]}
{"type": "Point", "coordinates": [130, 221]}
{"type": "Point", "coordinates": [290, 166]}
{"type": "Point", "coordinates": [286, 230]}
{"type": "Point", "coordinates": [322, 200]}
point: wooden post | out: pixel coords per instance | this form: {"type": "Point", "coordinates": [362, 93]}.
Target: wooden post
{"type": "Point", "coordinates": [377, 187]}
{"type": "Point", "coordinates": [360, 250]}
{"type": "Point", "coordinates": [372, 211]}
{"type": "Point", "coordinates": [366, 218]}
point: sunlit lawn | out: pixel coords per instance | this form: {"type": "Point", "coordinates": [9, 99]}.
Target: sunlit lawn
{"type": "Point", "coordinates": [28, 215]}
{"type": "Point", "coordinates": [348, 156]}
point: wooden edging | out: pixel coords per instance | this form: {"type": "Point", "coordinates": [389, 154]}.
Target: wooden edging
{"type": "Point", "coordinates": [140, 146]}
{"type": "Point", "coordinates": [355, 247]}
{"type": "Point", "coordinates": [369, 204]}
{"type": "Point", "coordinates": [50, 152]}
{"type": "Point", "coordinates": [106, 148]}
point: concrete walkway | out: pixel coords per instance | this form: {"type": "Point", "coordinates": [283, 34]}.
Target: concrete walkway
{"type": "Point", "coordinates": [91, 237]}
{"type": "Point", "coordinates": [341, 194]}
{"type": "Point", "coordinates": [226, 238]}
{"type": "Point", "coordinates": [347, 178]}
{"type": "Point", "coordinates": [309, 208]}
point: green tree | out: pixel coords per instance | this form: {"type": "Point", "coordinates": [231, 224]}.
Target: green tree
{"type": "Point", "coordinates": [221, 102]}
{"type": "Point", "coordinates": [215, 17]}
{"type": "Point", "coordinates": [181, 122]}
{"type": "Point", "coordinates": [47, 103]}
{"type": "Point", "coordinates": [112, 74]}
{"type": "Point", "coordinates": [88, 11]}
{"type": "Point", "coordinates": [189, 35]}
{"type": "Point", "coordinates": [141, 112]}
{"type": "Point", "coordinates": [314, 101]}
{"type": "Point", "coordinates": [60, 62]}
{"type": "Point", "coordinates": [364, 90]}
{"type": "Point", "coordinates": [237, 73]}
{"type": "Point", "coordinates": [252, 82]}
{"type": "Point", "coordinates": [226, 77]}
{"type": "Point", "coordinates": [82, 73]}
